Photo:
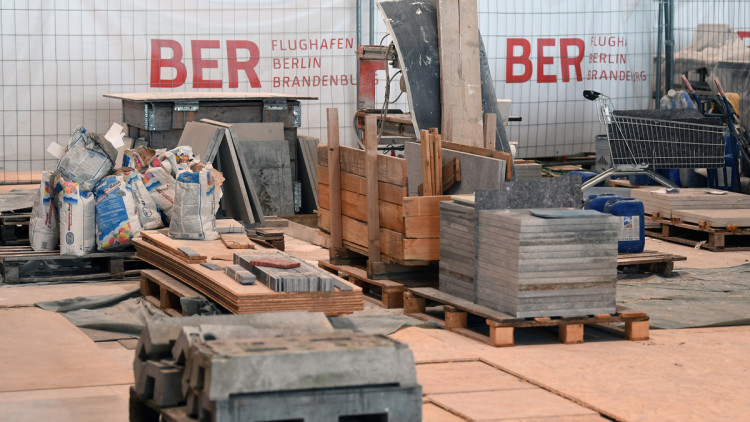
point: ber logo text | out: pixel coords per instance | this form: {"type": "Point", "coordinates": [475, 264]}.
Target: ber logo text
{"type": "Point", "coordinates": [199, 64]}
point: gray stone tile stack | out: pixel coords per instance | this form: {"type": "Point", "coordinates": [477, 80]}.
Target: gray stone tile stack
{"type": "Point", "coordinates": [544, 267]}
{"type": "Point", "coordinates": [527, 171]}
{"type": "Point", "coordinates": [305, 278]}
{"type": "Point", "coordinates": [457, 257]}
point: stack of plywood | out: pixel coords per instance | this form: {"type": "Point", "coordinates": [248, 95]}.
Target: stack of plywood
{"type": "Point", "coordinates": [409, 226]}
{"type": "Point", "coordinates": [160, 251]}
{"type": "Point", "coordinates": [457, 235]}
{"type": "Point", "coordinates": [543, 267]}
{"type": "Point", "coordinates": [696, 204]}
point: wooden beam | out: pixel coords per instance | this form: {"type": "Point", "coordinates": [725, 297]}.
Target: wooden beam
{"type": "Point", "coordinates": [373, 206]}
{"type": "Point", "coordinates": [424, 139]}
{"type": "Point", "coordinates": [437, 164]}
{"type": "Point", "coordinates": [460, 80]}
{"type": "Point", "coordinates": [334, 182]}
{"type": "Point", "coordinates": [490, 129]}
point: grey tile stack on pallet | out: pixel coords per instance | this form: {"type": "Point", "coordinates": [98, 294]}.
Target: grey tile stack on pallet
{"type": "Point", "coordinates": [659, 201]}
{"type": "Point", "coordinates": [457, 256]}
{"type": "Point", "coordinates": [305, 278]}
{"type": "Point", "coordinates": [527, 171]}
{"type": "Point", "coordinates": [546, 267]}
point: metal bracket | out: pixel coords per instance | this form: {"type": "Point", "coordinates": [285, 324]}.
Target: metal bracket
{"type": "Point", "coordinates": [149, 122]}
{"type": "Point", "coordinates": [186, 105]}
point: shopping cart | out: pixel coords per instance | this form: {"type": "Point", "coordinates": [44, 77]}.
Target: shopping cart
{"type": "Point", "coordinates": [640, 145]}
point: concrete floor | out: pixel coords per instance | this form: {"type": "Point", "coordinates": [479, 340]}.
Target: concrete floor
{"type": "Point", "coordinates": [50, 370]}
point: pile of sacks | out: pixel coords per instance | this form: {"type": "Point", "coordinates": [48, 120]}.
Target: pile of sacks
{"type": "Point", "coordinates": [89, 202]}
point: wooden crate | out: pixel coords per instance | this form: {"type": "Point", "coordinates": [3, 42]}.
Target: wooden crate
{"type": "Point", "coordinates": [501, 325]}
{"type": "Point", "coordinates": [409, 226]}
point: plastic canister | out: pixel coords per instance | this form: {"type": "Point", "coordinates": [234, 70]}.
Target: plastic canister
{"type": "Point", "coordinates": [597, 202]}
{"type": "Point", "coordinates": [632, 237]}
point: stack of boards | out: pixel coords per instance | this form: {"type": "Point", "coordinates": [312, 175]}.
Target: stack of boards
{"type": "Point", "coordinates": [527, 171]}
{"type": "Point", "coordinates": [530, 266]}
{"type": "Point", "coordinates": [697, 205]}
{"type": "Point", "coordinates": [547, 262]}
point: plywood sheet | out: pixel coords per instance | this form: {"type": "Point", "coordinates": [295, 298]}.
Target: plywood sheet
{"type": "Point", "coordinates": [86, 404]}
{"type": "Point", "coordinates": [43, 350]}
{"type": "Point", "coordinates": [456, 377]}
{"type": "Point", "coordinates": [20, 296]}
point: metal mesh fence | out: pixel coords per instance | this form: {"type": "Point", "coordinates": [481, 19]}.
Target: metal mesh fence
{"type": "Point", "coordinates": [59, 57]}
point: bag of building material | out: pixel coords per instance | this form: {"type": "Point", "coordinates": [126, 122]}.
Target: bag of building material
{"type": "Point", "coordinates": [140, 158]}
{"type": "Point", "coordinates": [148, 214]}
{"type": "Point", "coordinates": [44, 233]}
{"type": "Point", "coordinates": [177, 160]}
{"type": "Point", "coordinates": [196, 203]}
{"type": "Point", "coordinates": [116, 216]}
{"type": "Point", "coordinates": [161, 186]}
{"type": "Point", "coordinates": [77, 221]}
{"type": "Point", "coordinates": [88, 158]}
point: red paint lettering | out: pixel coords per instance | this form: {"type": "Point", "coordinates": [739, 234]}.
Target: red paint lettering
{"type": "Point", "coordinates": [522, 60]}
{"type": "Point", "coordinates": [199, 64]}
{"type": "Point", "coordinates": [566, 60]}
{"type": "Point", "coordinates": [543, 60]}
{"type": "Point", "coordinates": [248, 66]}
{"type": "Point", "coordinates": [157, 63]}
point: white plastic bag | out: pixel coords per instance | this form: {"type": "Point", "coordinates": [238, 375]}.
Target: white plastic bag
{"type": "Point", "coordinates": [44, 233]}
{"type": "Point", "coordinates": [116, 216]}
{"type": "Point", "coordinates": [77, 221]}
{"type": "Point", "coordinates": [196, 202]}
{"type": "Point", "coordinates": [148, 214]}
{"type": "Point", "coordinates": [161, 186]}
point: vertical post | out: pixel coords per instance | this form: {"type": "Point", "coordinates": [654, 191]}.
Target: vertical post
{"type": "Point", "coordinates": [374, 264]}
{"type": "Point", "coordinates": [334, 183]}
{"type": "Point", "coordinates": [424, 141]}
{"type": "Point", "coordinates": [437, 164]}
{"type": "Point", "coordinates": [490, 127]}
{"type": "Point", "coordinates": [659, 41]}
{"type": "Point", "coordinates": [669, 45]}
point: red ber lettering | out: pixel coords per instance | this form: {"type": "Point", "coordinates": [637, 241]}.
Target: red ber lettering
{"type": "Point", "coordinates": [199, 64]}
{"type": "Point", "coordinates": [522, 58]}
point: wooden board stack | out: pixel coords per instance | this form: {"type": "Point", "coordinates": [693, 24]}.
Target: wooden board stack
{"type": "Point", "coordinates": [657, 202]}
{"type": "Point", "coordinates": [457, 234]}
{"type": "Point", "coordinates": [345, 297]}
{"type": "Point", "coordinates": [545, 267]}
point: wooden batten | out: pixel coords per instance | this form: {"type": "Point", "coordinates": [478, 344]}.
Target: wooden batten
{"type": "Point", "coordinates": [390, 169]}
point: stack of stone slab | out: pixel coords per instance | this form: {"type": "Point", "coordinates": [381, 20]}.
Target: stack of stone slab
{"type": "Point", "coordinates": [282, 366]}
{"type": "Point", "coordinates": [527, 171]}
{"type": "Point", "coordinates": [662, 201]}
{"type": "Point", "coordinates": [301, 278]}
{"type": "Point", "coordinates": [457, 256]}
{"type": "Point", "coordinates": [547, 262]}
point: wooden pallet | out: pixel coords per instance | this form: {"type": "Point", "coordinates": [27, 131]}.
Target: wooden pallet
{"type": "Point", "coordinates": [386, 293]}
{"type": "Point", "coordinates": [649, 261]}
{"type": "Point", "coordinates": [716, 239]}
{"type": "Point", "coordinates": [14, 229]}
{"type": "Point", "coordinates": [21, 264]}
{"type": "Point", "coordinates": [501, 325]}
{"type": "Point", "coordinates": [164, 291]}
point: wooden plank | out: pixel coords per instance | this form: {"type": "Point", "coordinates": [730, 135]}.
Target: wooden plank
{"type": "Point", "coordinates": [423, 205]}
{"type": "Point", "coordinates": [426, 148]}
{"type": "Point", "coordinates": [355, 206]}
{"type": "Point", "coordinates": [437, 164]}
{"type": "Point", "coordinates": [506, 156]}
{"type": "Point", "coordinates": [161, 240]}
{"type": "Point", "coordinates": [426, 226]}
{"type": "Point", "coordinates": [334, 179]}
{"type": "Point", "coordinates": [451, 174]}
{"type": "Point", "coordinates": [460, 80]}
{"type": "Point", "coordinates": [427, 249]}
{"type": "Point", "coordinates": [237, 241]}
{"type": "Point", "coordinates": [390, 169]}
{"type": "Point", "coordinates": [490, 127]}
{"type": "Point", "coordinates": [371, 174]}
{"type": "Point", "coordinates": [386, 191]}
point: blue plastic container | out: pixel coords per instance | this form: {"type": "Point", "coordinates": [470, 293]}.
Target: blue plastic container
{"type": "Point", "coordinates": [597, 202]}
{"type": "Point", "coordinates": [632, 237]}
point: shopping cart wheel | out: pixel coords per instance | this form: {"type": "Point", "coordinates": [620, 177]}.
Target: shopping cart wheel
{"type": "Point", "coordinates": [591, 95]}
